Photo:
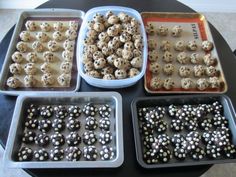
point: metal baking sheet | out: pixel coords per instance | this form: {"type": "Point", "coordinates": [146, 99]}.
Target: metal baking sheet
{"type": "Point", "coordinates": [165, 101]}
{"type": "Point", "coordinates": [195, 27]}
{"type": "Point", "coordinates": [113, 99]}
{"type": "Point", "coordinates": [50, 16]}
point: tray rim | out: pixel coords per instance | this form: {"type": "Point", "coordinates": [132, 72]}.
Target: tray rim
{"type": "Point", "coordinates": [206, 24]}
{"type": "Point", "coordinates": [137, 136]}
{"type": "Point", "coordinates": [118, 161]}
{"type": "Point", "coordinates": [7, 59]}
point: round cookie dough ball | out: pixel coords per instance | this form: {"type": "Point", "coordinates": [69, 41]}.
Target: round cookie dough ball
{"type": "Point", "coordinates": [66, 67]}
{"type": "Point", "coordinates": [92, 34]}
{"type": "Point", "coordinates": [61, 111]}
{"type": "Point", "coordinates": [47, 79]}
{"type": "Point", "coordinates": [133, 72]}
{"type": "Point", "coordinates": [120, 74]}
{"type": "Point", "coordinates": [64, 79]}
{"type": "Point", "coordinates": [25, 36]}
{"type": "Point", "coordinates": [15, 68]}
{"type": "Point", "coordinates": [30, 81]}
{"type": "Point", "coordinates": [186, 83]}
{"type": "Point", "coordinates": [199, 70]}
{"type": "Point", "coordinates": [123, 17]}
{"type": "Point", "coordinates": [73, 153]}
{"type": "Point", "coordinates": [182, 58]}
{"type": "Point", "coordinates": [107, 153]}
{"type": "Point", "coordinates": [129, 46]}
{"type": "Point", "coordinates": [207, 46]}
{"type": "Point", "coordinates": [44, 125]}
{"type": "Point", "coordinates": [57, 36]}
{"type": "Point", "coordinates": [30, 68]}
{"type": "Point", "coordinates": [91, 123]}
{"type": "Point", "coordinates": [58, 26]}
{"type": "Point", "coordinates": [17, 57]}
{"type": "Point", "coordinates": [179, 46]}
{"type": "Point", "coordinates": [103, 36]}
{"type": "Point", "coordinates": [154, 67]}
{"type": "Point", "coordinates": [113, 19]}
{"type": "Point", "coordinates": [42, 37]}
{"type": "Point", "coordinates": [45, 26]}
{"type": "Point", "coordinates": [48, 56]}
{"type": "Point", "coordinates": [112, 31]}
{"type": "Point", "coordinates": [104, 110]}
{"type": "Point", "coordinates": [32, 111]}
{"type": "Point", "coordinates": [125, 37]}
{"type": "Point", "coordinates": [67, 55]}
{"type": "Point", "coordinates": [30, 25]}
{"type": "Point", "coordinates": [89, 66]}
{"type": "Point", "coordinates": [25, 154]}
{"type": "Point", "coordinates": [13, 82]}
{"type": "Point", "coordinates": [192, 46]}
{"type": "Point", "coordinates": [150, 29]}
{"type": "Point", "coordinates": [89, 109]}
{"type": "Point", "coordinates": [111, 58]}
{"type": "Point", "coordinates": [53, 46]}
{"type": "Point", "coordinates": [99, 27]}
{"type": "Point", "coordinates": [168, 69]}
{"type": "Point", "coordinates": [74, 111]}
{"type": "Point", "coordinates": [211, 71]}
{"type": "Point", "coordinates": [109, 77]}
{"type": "Point", "coordinates": [68, 45]}
{"type": "Point", "coordinates": [153, 55]}
{"type": "Point", "coordinates": [31, 123]}
{"type": "Point", "coordinates": [71, 34]}
{"type": "Point", "coordinates": [214, 82]}
{"type": "Point", "coordinates": [165, 45]}
{"type": "Point", "coordinates": [46, 68]}
{"type": "Point", "coordinates": [99, 63]}
{"type": "Point", "coordinates": [46, 111]}
{"type": "Point", "coordinates": [28, 137]}
{"type": "Point", "coordinates": [37, 46]}
{"type": "Point", "coordinates": [168, 84]}
{"type": "Point", "coordinates": [32, 57]}
{"type": "Point", "coordinates": [167, 57]}
{"type": "Point", "coordinates": [195, 58]}
{"type": "Point", "coordinates": [97, 55]}
{"type": "Point", "coordinates": [176, 31]}
{"type": "Point", "coordinates": [42, 139]}
{"type": "Point", "coordinates": [21, 47]}
{"type": "Point", "coordinates": [108, 14]}
{"type": "Point", "coordinates": [57, 139]}
{"type": "Point", "coordinates": [162, 30]}
{"type": "Point", "coordinates": [127, 54]}
{"type": "Point", "coordinates": [98, 17]}
{"type": "Point", "coordinates": [56, 154]}
{"type": "Point", "coordinates": [107, 70]}
{"type": "Point", "coordinates": [184, 71]}
{"type": "Point", "coordinates": [209, 60]}
{"type": "Point", "coordinates": [105, 137]}
{"type": "Point", "coordinates": [137, 62]}
{"type": "Point", "coordinates": [152, 44]}
{"type": "Point", "coordinates": [202, 84]}
{"type": "Point", "coordinates": [73, 25]}
{"type": "Point", "coordinates": [104, 123]}
{"type": "Point", "coordinates": [73, 124]}
{"type": "Point", "coordinates": [90, 153]}
{"type": "Point", "coordinates": [93, 73]}
{"type": "Point", "coordinates": [58, 125]}
{"type": "Point", "coordinates": [73, 139]}
{"type": "Point", "coordinates": [156, 83]}
{"type": "Point", "coordinates": [107, 51]}
{"type": "Point", "coordinates": [41, 155]}
{"type": "Point", "coordinates": [138, 44]}
{"type": "Point", "coordinates": [89, 138]}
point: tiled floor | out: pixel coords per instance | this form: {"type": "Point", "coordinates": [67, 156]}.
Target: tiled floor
{"type": "Point", "coordinates": [224, 22]}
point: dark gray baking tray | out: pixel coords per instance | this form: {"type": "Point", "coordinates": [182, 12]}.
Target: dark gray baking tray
{"type": "Point", "coordinates": [80, 99]}
{"type": "Point", "coordinates": [229, 113]}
